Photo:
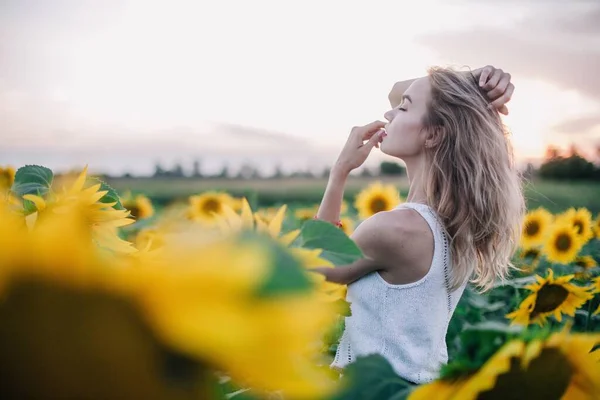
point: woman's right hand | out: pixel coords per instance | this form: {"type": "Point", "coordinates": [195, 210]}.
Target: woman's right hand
{"type": "Point", "coordinates": [356, 150]}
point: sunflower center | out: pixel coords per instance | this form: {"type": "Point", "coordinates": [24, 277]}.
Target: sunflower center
{"type": "Point", "coordinates": [135, 211]}
{"type": "Point", "coordinates": [531, 253]}
{"type": "Point", "coordinates": [532, 228]}
{"type": "Point", "coordinates": [578, 225]}
{"type": "Point", "coordinates": [549, 298]}
{"type": "Point", "coordinates": [378, 204]}
{"type": "Point", "coordinates": [563, 242]}
{"type": "Point", "coordinates": [533, 383]}
{"type": "Point", "coordinates": [211, 205]}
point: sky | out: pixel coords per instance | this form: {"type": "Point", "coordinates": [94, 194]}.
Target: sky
{"type": "Point", "coordinates": [121, 85]}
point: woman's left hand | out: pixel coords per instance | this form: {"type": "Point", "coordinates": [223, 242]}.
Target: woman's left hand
{"type": "Point", "coordinates": [496, 83]}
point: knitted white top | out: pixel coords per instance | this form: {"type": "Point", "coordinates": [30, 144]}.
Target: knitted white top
{"type": "Point", "coordinates": [407, 323]}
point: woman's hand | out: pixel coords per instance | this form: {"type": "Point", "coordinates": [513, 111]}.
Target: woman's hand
{"type": "Point", "coordinates": [496, 83]}
{"type": "Point", "coordinates": [356, 150]}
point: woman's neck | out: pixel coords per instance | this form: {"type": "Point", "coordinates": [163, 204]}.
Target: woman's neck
{"type": "Point", "coordinates": [415, 170]}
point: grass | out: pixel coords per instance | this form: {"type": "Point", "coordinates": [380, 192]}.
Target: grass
{"type": "Point", "coordinates": [555, 196]}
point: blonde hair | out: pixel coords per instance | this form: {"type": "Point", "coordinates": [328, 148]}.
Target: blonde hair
{"type": "Point", "coordinates": [472, 181]}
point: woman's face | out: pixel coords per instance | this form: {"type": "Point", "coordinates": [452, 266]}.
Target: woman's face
{"type": "Point", "coordinates": [405, 134]}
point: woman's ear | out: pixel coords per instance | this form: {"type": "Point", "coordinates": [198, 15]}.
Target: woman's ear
{"type": "Point", "coordinates": [434, 137]}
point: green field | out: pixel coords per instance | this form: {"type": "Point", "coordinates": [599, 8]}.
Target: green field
{"type": "Point", "coordinates": [555, 196]}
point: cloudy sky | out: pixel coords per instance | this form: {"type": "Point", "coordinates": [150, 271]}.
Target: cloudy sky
{"type": "Point", "coordinates": [122, 84]}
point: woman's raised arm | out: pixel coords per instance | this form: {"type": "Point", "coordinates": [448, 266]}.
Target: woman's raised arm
{"type": "Point", "coordinates": [356, 150]}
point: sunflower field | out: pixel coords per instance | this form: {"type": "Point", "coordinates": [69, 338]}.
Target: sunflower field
{"type": "Point", "coordinates": [107, 295]}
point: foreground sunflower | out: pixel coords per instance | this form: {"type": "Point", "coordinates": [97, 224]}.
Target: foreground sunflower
{"type": "Point", "coordinates": [562, 366]}
{"type": "Point", "coordinates": [203, 208]}
{"type": "Point", "coordinates": [153, 327]}
{"type": "Point", "coordinates": [230, 222]}
{"type": "Point", "coordinates": [139, 206]}
{"type": "Point", "coordinates": [103, 219]}
{"type": "Point", "coordinates": [597, 226]}
{"type": "Point", "coordinates": [7, 177]}
{"type": "Point", "coordinates": [581, 220]}
{"type": "Point", "coordinates": [562, 244]}
{"type": "Point", "coordinates": [375, 198]}
{"type": "Point", "coordinates": [551, 297]}
{"type": "Point", "coordinates": [535, 227]}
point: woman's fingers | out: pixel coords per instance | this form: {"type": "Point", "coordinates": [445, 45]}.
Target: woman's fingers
{"type": "Point", "coordinates": [504, 98]}
{"type": "Point", "coordinates": [485, 74]}
{"type": "Point", "coordinates": [500, 88]}
{"type": "Point", "coordinates": [493, 80]}
{"type": "Point", "coordinates": [366, 132]}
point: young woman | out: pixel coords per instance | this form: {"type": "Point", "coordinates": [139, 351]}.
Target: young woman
{"type": "Point", "coordinates": [461, 221]}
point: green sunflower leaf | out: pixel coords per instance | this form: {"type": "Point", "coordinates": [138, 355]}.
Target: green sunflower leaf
{"type": "Point", "coordinates": [111, 197]}
{"type": "Point", "coordinates": [337, 247]}
{"type": "Point", "coordinates": [286, 273]}
{"type": "Point", "coordinates": [32, 179]}
{"type": "Point", "coordinates": [373, 378]}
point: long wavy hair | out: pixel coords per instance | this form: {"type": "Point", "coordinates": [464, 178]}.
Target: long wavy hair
{"type": "Point", "coordinates": [472, 181]}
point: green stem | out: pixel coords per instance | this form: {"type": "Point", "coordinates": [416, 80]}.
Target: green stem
{"type": "Point", "coordinates": [589, 315]}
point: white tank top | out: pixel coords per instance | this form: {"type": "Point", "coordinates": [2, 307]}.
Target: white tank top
{"type": "Point", "coordinates": [407, 323]}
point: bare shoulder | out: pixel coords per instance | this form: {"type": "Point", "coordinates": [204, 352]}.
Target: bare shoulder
{"type": "Point", "coordinates": [397, 238]}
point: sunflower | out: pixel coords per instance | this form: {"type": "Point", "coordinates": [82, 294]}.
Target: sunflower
{"type": "Point", "coordinates": [139, 206]}
{"type": "Point", "coordinates": [204, 207]}
{"type": "Point", "coordinates": [230, 222]}
{"type": "Point", "coordinates": [266, 214]}
{"type": "Point", "coordinates": [306, 213]}
{"type": "Point", "coordinates": [7, 177]}
{"type": "Point", "coordinates": [550, 297]}
{"type": "Point", "coordinates": [581, 220]}
{"type": "Point", "coordinates": [567, 358]}
{"type": "Point", "coordinates": [597, 227]}
{"type": "Point", "coordinates": [562, 244]}
{"type": "Point", "coordinates": [596, 289]}
{"type": "Point", "coordinates": [375, 198]}
{"type": "Point", "coordinates": [535, 227]}
{"type": "Point", "coordinates": [347, 225]}
{"type": "Point", "coordinates": [344, 207]}
{"type": "Point", "coordinates": [584, 263]}
{"type": "Point", "coordinates": [103, 219]}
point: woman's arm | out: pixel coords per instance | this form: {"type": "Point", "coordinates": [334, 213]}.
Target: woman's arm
{"type": "Point", "coordinates": [495, 82]}
{"type": "Point", "coordinates": [353, 155]}
{"type": "Point", "coordinates": [347, 274]}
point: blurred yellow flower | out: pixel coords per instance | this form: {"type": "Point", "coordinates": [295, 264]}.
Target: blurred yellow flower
{"type": "Point", "coordinates": [347, 225]}
{"type": "Point", "coordinates": [306, 213]}
{"type": "Point", "coordinates": [150, 239]}
{"type": "Point", "coordinates": [559, 367]}
{"type": "Point", "coordinates": [562, 244]}
{"type": "Point", "coordinates": [581, 220]}
{"type": "Point", "coordinates": [139, 206]}
{"type": "Point", "coordinates": [535, 228]}
{"type": "Point", "coordinates": [7, 177]}
{"type": "Point", "coordinates": [585, 262]}
{"type": "Point", "coordinates": [103, 219]}
{"type": "Point", "coordinates": [596, 289]}
{"type": "Point", "coordinates": [266, 214]}
{"type": "Point", "coordinates": [551, 297]}
{"type": "Point", "coordinates": [597, 226]}
{"type": "Point", "coordinates": [202, 300]}
{"type": "Point", "coordinates": [344, 207]}
{"type": "Point", "coordinates": [375, 198]}
{"type": "Point", "coordinates": [203, 208]}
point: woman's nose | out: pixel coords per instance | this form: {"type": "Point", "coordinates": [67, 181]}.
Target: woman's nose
{"type": "Point", "coordinates": [388, 115]}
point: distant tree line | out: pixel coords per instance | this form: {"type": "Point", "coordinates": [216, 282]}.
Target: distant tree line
{"type": "Point", "coordinates": [248, 171]}
{"type": "Point", "coordinates": [568, 166]}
